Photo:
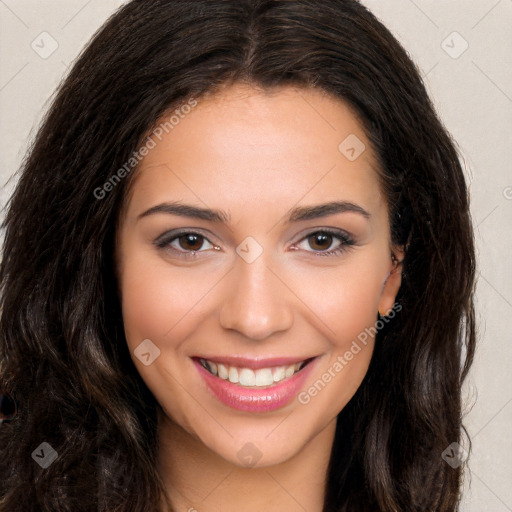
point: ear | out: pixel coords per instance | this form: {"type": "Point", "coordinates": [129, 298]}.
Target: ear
{"type": "Point", "coordinates": [392, 283]}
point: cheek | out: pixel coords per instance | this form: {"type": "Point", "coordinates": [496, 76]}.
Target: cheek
{"type": "Point", "coordinates": [344, 300]}
{"type": "Point", "coordinates": [161, 303]}
{"type": "Point", "coordinates": [163, 306]}
{"type": "Point", "coordinates": [350, 343]}
{"type": "Point", "coordinates": [357, 306]}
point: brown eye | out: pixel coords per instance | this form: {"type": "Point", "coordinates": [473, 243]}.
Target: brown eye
{"type": "Point", "coordinates": [320, 241]}
{"type": "Point", "coordinates": [323, 243]}
{"type": "Point", "coordinates": [185, 244]}
{"type": "Point", "coordinates": [191, 242]}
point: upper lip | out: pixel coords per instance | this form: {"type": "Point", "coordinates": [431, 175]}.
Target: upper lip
{"type": "Point", "coordinates": [254, 363]}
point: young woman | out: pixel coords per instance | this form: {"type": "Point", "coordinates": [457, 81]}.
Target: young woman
{"type": "Point", "coordinates": [237, 272]}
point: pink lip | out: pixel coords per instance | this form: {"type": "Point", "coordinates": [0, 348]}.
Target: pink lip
{"type": "Point", "coordinates": [255, 399]}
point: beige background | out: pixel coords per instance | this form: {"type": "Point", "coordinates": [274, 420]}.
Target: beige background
{"type": "Point", "coordinates": [472, 90]}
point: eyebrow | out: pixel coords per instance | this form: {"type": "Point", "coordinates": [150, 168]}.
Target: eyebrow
{"type": "Point", "coordinates": [298, 214]}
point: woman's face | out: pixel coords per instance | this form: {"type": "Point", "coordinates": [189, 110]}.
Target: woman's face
{"type": "Point", "coordinates": [256, 242]}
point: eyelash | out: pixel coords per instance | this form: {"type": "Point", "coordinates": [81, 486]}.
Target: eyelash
{"type": "Point", "coordinates": [163, 242]}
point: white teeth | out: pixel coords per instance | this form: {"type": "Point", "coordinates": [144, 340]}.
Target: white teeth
{"type": "Point", "coordinates": [223, 371]}
{"type": "Point", "coordinates": [247, 377]}
{"type": "Point", "coordinates": [233, 375]}
{"type": "Point", "coordinates": [290, 370]}
{"type": "Point", "coordinates": [264, 377]}
{"type": "Point", "coordinates": [213, 367]}
{"type": "Point", "coordinates": [279, 374]}
{"type": "Point", "coordinates": [252, 378]}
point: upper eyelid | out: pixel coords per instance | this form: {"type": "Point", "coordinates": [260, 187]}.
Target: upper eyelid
{"type": "Point", "coordinates": [176, 233]}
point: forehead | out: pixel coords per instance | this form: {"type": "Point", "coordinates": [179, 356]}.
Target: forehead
{"type": "Point", "coordinates": [244, 148]}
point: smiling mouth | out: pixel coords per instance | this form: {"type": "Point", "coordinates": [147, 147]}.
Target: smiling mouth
{"type": "Point", "coordinates": [249, 378]}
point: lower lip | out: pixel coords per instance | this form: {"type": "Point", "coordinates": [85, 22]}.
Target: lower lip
{"type": "Point", "coordinates": [255, 399]}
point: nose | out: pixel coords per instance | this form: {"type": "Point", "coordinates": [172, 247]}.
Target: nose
{"type": "Point", "coordinates": [258, 303]}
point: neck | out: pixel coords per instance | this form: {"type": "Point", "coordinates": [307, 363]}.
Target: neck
{"type": "Point", "coordinates": [198, 480]}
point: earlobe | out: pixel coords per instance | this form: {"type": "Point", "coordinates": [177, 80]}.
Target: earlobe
{"type": "Point", "coordinates": [391, 285]}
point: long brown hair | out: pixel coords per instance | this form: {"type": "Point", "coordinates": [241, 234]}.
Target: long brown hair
{"type": "Point", "coordinates": [63, 354]}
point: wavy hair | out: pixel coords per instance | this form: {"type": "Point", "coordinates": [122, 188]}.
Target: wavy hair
{"type": "Point", "coordinates": [63, 353]}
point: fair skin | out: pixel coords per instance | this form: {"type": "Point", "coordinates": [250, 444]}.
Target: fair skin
{"type": "Point", "coordinates": [255, 156]}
